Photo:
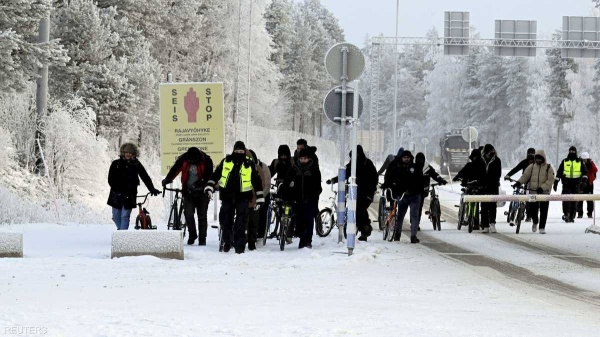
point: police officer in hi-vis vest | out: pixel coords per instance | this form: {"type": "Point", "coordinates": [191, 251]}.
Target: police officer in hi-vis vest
{"type": "Point", "coordinates": [236, 177]}
{"type": "Point", "coordinates": [572, 172]}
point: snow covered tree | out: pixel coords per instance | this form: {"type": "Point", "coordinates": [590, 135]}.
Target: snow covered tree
{"type": "Point", "coordinates": [20, 54]}
{"type": "Point", "coordinates": [278, 18]}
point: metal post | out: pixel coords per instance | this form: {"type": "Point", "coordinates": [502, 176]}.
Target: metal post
{"type": "Point", "coordinates": [249, 63]}
{"type": "Point", "coordinates": [341, 202]}
{"type": "Point", "coordinates": [558, 144]}
{"type": "Point", "coordinates": [236, 88]}
{"type": "Point", "coordinates": [41, 93]}
{"type": "Point", "coordinates": [396, 80]}
{"type": "Point", "coordinates": [215, 78]}
{"type": "Point", "coordinates": [351, 228]}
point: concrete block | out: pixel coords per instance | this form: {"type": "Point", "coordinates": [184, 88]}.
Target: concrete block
{"type": "Point", "coordinates": [163, 244]}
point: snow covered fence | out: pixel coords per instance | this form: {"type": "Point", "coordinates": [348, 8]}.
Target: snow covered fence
{"type": "Point", "coordinates": [11, 244]}
{"type": "Point", "coordinates": [163, 244]}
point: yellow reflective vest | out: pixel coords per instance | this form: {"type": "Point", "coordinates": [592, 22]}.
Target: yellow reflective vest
{"type": "Point", "coordinates": [572, 169]}
{"type": "Point", "coordinates": [245, 175]}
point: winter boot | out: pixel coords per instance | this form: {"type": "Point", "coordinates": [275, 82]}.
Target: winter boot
{"type": "Point", "coordinates": [251, 246]}
{"type": "Point", "coordinates": [528, 219]}
{"type": "Point", "coordinates": [534, 227]}
{"type": "Point", "coordinates": [493, 228]}
{"type": "Point", "coordinates": [590, 215]}
{"type": "Point", "coordinates": [201, 241]}
{"type": "Point", "coordinates": [192, 239]}
{"type": "Point", "coordinates": [397, 236]}
{"type": "Point", "coordinates": [542, 231]}
{"type": "Point", "coordinates": [579, 215]}
{"type": "Point", "coordinates": [239, 250]}
{"type": "Point", "coordinates": [485, 230]}
{"type": "Point", "coordinates": [413, 239]}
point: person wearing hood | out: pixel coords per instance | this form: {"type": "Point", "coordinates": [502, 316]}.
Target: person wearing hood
{"type": "Point", "coordinates": [388, 160]}
{"type": "Point", "coordinates": [257, 218]}
{"type": "Point", "coordinates": [303, 144]}
{"type": "Point", "coordinates": [123, 178]}
{"type": "Point", "coordinates": [195, 167]}
{"type": "Point", "coordinates": [238, 180]}
{"type": "Point", "coordinates": [366, 181]}
{"type": "Point", "coordinates": [471, 172]}
{"type": "Point", "coordinates": [539, 178]}
{"type": "Point", "coordinates": [302, 185]}
{"type": "Point", "coordinates": [490, 172]}
{"type": "Point", "coordinates": [405, 178]}
{"type": "Point", "coordinates": [428, 173]}
{"type": "Point", "coordinates": [282, 164]}
{"type": "Point", "coordinates": [571, 172]}
{"type": "Point", "coordinates": [523, 164]}
{"type": "Point", "coordinates": [589, 187]}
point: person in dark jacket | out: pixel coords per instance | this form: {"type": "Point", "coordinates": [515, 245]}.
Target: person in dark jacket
{"type": "Point", "coordinates": [491, 173]}
{"type": "Point", "coordinates": [366, 181]}
{"type": "Point", "coordinates": [589, 187]}
{"type": "Point", "coordinates": [282, 164]}
{"type": "Point", "coordinates": [236, 177]}
{"type": "Point", "coordinates": [388, 160]}
{"type": "Point", "coordinates": [428, 174]}
{"type": "Point", "coordinates": [195, 167]}
{"type": "Point", "coordinates": [572, 172]}
{"type": "Point", "coordinates": [523, 164]}
{"type": "Point", "coordinates": [471, 172]}
{"type": "Point", "coordinates": [302, 185]}
{"type": "Point", "coordinates": [405, 178]}
{"type": "Point", "coordinates": [124, 178]}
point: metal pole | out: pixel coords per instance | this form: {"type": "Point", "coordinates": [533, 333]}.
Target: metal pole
{"type": "Point", "coordinates": [249, 63]}
{"type": "Point", "coordinates": [215, 78]}
{"type": "Point", "coordinates": [396, 80]}
{"type": "Point", "coordinates": [558, 144]}
{"type": "Point", "coordinates": [236, 88]}
{"type": "Point", "coordinates": [41, 94]}
{"type": "Point", "coordinates": [351, 228]}
{"type": "Point", "coordinates": [341, 202]}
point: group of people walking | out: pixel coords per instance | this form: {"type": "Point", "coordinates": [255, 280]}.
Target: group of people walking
{"type": "Point", "coordinates": [244, 184]}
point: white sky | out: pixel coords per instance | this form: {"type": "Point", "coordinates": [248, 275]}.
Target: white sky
{"type": "Point", "coordinates": [361, 17]}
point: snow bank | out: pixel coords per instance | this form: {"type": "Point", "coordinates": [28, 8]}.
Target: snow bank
{"type": "Point", "coordinates": [11, 244]}
{"type": "Point", "coordinates": [163, 244]}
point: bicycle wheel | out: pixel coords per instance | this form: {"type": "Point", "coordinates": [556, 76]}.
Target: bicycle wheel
{"type": "Point", "coordinates": [382, 212]}
{"type": "Point", "coordinates": [138, 222]}
{"type": "Point", "coordinates": [511, 213]}
{"type": "Point", "coordinates": [220, 238]}
{"type": "Point", "coordinates": [149, 222]}
{"type": "Point", "coordinates": [461, 215]}
{"type": "Point", "coordinates": [267, 225]}
{"type": "Point", "coordinates": [283, 233]}
{"type": "Point", "coordinates": [471, 219]}
{"type": "Point", "coordinates": [520, 216]}
{"type": "Point", "coordinates": [181, 219]}
{"type": "Point", "coordinates": [170, 223]}
{"type": "Point", "coordinates": [436, 214]}
{"type": "Point", "coordinates": [324, 223]}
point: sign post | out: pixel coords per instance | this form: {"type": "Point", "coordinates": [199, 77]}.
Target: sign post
{"type": "Point", "coordinates": [344, 62]}
{"type": "Point", "coordinates": [469, 134]}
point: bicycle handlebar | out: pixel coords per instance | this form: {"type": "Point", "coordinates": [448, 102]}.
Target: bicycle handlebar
{"type": "Point", "coordinates": [176, 190]}
{"type": "Point", "coordinates": [144, 196]}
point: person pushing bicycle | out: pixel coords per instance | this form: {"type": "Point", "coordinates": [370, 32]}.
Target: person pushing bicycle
{"type": "Point", "coordinates": [237, 178]}
{"type": "Point", "coordinates": [195, 167]}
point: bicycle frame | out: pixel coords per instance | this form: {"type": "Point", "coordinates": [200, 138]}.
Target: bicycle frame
{"type": "Point", "coordinates": [175, 222]}
{"type": "Point", "coordinates": [143, 215]}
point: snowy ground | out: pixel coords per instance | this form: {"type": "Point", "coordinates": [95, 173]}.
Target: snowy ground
{"type": "Point", "coordinates": [67, 286]}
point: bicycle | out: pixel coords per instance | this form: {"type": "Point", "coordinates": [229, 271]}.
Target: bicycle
{"type": "Point", "coordinates": [516, 209]}
{"type": "Point", "coordinates": [435, 210]}
{"type": "Point", "coordinates": [468, 213]}
{"type": "Point", "coordinates": [175, 222]}
{"type": "Point", "coordinates": [327, 219]}
{"type": "Point", "coordinates": [284, 229]}
{"type": "Point", "coordinates": [390, 223]}
{"type": "Point", "coordinates": [273, 215]}
{"type": "Point", "coordinates": [143, 221]}
{"type": "Point", "coordinates": [384, 210]}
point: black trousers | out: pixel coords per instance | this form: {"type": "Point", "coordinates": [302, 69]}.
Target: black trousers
{"type": "Point", "coordinates": [589, 189]}
{"type": "Point", "coordinates": [232, 216]}
{"type": "Point", "coordinates": [363, 222]}
{"type": "Point", "coordinates": [532, 209]}
{"type": "Point", "coordinates": [570, 186]}
{"type": "Point", "coordinates": [488, 214]}
{"type": "Point", "coordinates": [305, 214]}
{"type": "Point", "coordinates": [196, 204]}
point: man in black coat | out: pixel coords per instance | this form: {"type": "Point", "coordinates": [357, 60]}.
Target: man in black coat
{"type": "Point", "coordinates": [195, 167]}
{"type": "Point", "coordinates": [366, 181]}
{"type": "Point", "coordinates": [302, 185]}
{"type": "Point", "coordinates": [428, 173]}
{"type": "Point", "coordinates": [282, 164]}
{"type": "Point", "coordinates": [405, 178]}
{"type": "Point", "coordinates": [237, 177]}
{"type": "Point", "coordinates": [124, 178]}
{"type": "Point", "coordinates": [491, 174]}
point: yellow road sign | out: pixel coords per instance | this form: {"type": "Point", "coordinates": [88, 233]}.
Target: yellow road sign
{"type": "Point", "coordinates": [191, 114]}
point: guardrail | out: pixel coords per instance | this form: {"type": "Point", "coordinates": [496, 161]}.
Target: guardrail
{"type": "Point", "coordinates": [539, 197]}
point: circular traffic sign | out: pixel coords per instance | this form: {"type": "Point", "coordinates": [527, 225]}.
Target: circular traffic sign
{"type": "Point", "coordinates": [469, 134]}
{"type": "Point", "coordinates": [425, 141]}
{"type": "Point", "coordinates": [334, 61]}
{"type": "Point", "coordinates": [332, 105]}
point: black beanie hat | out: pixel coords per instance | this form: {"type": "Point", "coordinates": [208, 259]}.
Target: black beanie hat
{"type": "Point", "coordinates": [488, 148]}
{"type": "Point", "coordinates": [573, 148]}
{"type": "Point", "coordinates": [407, 153]}
{"type": "Point", "coordinates": [302, 141]}
{"type": "Point", "coordinates": [530, 151]}
{"type": "Point", "coordinates": [305, 152]}
{"type": "Point", "coordinates": [239, 145]}
{"type": "Point", "coordinates": [194, 155]}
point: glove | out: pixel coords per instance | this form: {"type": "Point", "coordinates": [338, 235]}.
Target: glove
{"type": "Point", "coordinates": [507, 178]}
{"type": "Point", "coordinates": [208, 190]}
{"type": "Point", "coordinates": [539, 190]}
{"type": "Point", "coordinates": [165, 182]}
{"type": "Point", "coordinates": [444, 182]}
{"type": "Point", "coordinates": [555, 185]}
{"type": "Point", "coordinates": [154, 192]}
{"type": "Point", "coordinates": [455, 179]}
{"type": "Point", "coordinates": [516, 185]}
{"type": "Point", "coordinates": [328, 182]}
